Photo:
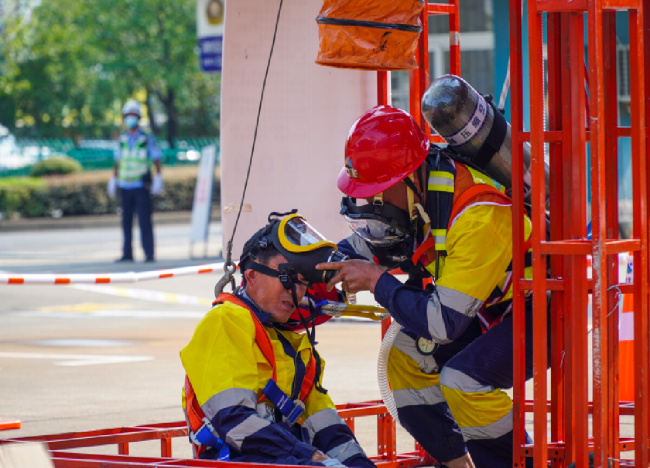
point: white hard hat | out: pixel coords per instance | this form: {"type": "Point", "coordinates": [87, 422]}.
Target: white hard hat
{"type": "Point", "coordinates": [132, 107]}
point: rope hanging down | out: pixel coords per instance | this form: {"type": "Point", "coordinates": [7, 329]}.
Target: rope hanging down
{"type": "Point", "coordinates": [229, 267]}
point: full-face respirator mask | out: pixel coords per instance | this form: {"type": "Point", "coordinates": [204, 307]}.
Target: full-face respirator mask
{"type": "Point", "coordinates": [302, 245]}
{"type": "Point", "coordinates": [385, 228]}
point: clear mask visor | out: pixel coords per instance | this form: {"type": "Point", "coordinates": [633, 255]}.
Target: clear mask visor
{"type": "Point", "coordinates": [375, 231]}
{"type": "Point", "coordinates": [297, 235]}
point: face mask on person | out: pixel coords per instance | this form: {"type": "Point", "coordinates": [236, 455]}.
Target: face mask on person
{"type": "Point", "coordinates": [131, 121]}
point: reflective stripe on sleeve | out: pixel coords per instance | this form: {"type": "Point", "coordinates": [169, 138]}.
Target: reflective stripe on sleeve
{"type": "Point", "coordinates": [436, 322]}
{"type": "Point", "coordinates": [460, 302]}
{"type": "Point", "coordinates": [235, 437]}
{"type": "Point", "coordinates": [448, 314]}
{"type": "Point", "coordinates": [228, 398]}
{"type": "Point", "coordinates": [345, 450]}
{"type": "Point", "coordinates": [321, 420]}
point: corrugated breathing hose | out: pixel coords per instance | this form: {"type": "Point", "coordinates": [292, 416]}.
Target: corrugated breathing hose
{"type": "Point", "coordinates": [382, 369]}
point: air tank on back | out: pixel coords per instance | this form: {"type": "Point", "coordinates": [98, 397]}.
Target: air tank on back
{"type": "Point", "coordinates": [474, 130]}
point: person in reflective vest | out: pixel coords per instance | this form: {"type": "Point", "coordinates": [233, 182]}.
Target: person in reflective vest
{"type": "Point", "coordinates": [253, 390]}
{"type": "Point", "coordinates": [414, 206]}
{"type": "Point", "coordinates": [133, 159]}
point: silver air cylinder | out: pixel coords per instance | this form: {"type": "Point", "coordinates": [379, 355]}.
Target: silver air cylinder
{"type": "Point", "coordinates": [474, 130]}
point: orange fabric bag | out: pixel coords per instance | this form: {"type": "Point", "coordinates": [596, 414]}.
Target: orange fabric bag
{"type": "Point", "coordinates": [369, 34]}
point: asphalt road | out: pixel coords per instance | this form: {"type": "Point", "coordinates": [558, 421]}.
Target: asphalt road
{"type": "Point", "coordinates": [81, 357]}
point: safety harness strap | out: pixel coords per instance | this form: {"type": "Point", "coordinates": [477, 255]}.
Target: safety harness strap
{"type": "Point", "coordinates": [276, 395]}
{"type": "Point", "coordinates": [261, 336]}
{"type": "Point", "coordinates": [303, 382]}
{"type": "Point", "coordinates": [202, 432]}
{"type": "Point", "coordinates": [464, 201]}
{"type": "Point", "coordinates": [471, 194]}
{"type": "Point", "coordinates": [290, 409]}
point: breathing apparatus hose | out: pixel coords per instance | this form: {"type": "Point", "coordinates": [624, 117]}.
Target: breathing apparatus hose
{"type": "Point", "coordinates": [382, 369]}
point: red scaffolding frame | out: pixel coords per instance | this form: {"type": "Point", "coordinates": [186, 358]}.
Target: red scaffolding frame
{"type": "Point", "coordinates": [419, 78]}
{"type": "Point", "coordinates": [582, 121]}
{"type": "Point", "coordinates": [122, 437]}
{"type": "Point", "coordinates": [578, 127]}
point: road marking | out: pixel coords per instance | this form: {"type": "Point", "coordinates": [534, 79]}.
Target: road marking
{"type": "Point", "coordinates": [145, 294]}
{"type": "Point", "coordinates": [84, 307]}
{"type": "Point", "coordinates": [74, 360]}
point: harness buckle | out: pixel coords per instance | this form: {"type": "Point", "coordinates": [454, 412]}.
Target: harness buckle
{"type": "Point", "coordinates": [296, 412]}
{"type": "Point", "coordinates": [291, 410]}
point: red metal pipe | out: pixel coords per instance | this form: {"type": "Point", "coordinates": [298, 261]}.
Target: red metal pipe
{"type": "Point", "coordinates": [382, 88]}
{"type": "Point", "coordinates": [639, 188]}
{"type": "Point", "coordinates": [611, 176]}
{"type": "Point", "coordinates": [454, 39]}
{"type": "Point", "coordinates": [518, 322]}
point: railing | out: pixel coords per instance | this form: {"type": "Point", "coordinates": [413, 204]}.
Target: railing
{"type": "Point", "coordinates": [187, 151]}
{"type": "Point", "coordinates": [122, 437]}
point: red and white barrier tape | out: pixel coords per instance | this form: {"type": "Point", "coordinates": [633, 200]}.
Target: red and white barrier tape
{"type": "Point", "coordinates": [129, 277]}
{"type": "Point", "coordinates": [134, 277]}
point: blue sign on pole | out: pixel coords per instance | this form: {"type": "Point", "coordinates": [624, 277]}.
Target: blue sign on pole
{"type": "Point", "coordinates": [210, 52]}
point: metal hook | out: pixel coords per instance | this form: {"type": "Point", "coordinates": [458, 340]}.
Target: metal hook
{"type": "Point", "coordinates": [229, 269]}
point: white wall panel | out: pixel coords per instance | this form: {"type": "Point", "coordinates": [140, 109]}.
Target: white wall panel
{"type": "Point", "coordinates": [306, 114]}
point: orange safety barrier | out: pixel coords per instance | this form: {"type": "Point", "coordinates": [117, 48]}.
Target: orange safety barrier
{"type": "Point", "coordinates": [100, 278]}
{"type": "Point", "coordinates": [626, 350]}
{"type": "Point", "coordinates": [380, 35]}
{"type": "Point", "coordinates": [6, 424]}
{"type": "Point", "coordinates": [626, 341]}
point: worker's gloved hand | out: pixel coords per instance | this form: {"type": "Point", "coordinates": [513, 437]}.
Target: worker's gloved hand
{"type": "Point", "coordinates": [111, 188]}
{"type": "Point", "coordinates": [156, 184]}
{"type": "Point", "coordinates": [332, 462]}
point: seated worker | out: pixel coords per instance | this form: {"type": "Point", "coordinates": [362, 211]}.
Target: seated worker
{"type": "Point", "coordinates": [253, 388]}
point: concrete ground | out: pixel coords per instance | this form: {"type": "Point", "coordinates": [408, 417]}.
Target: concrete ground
{"type": "Point", "coordinates": [81, 357]}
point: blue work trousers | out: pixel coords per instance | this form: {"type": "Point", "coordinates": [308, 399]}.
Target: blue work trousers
{"type": "Point", "coordinates": [481, 371]}
{"type": "Point", "coordinates": [137, 201]}
{"type": "Point", "coordinates": [433, 425]}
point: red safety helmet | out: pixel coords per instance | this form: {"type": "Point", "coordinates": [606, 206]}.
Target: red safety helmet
{"type": "Point", "coordinates": [383, 147]}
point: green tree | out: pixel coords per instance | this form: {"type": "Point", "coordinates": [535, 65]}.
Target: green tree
{"type": "Point", "coordinates": [70, 66]}
{"type": "Point", "coordinates": [46, 85]}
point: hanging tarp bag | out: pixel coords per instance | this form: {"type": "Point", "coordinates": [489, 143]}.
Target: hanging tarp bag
{"type": "Point", "coordinates": [369, 34]}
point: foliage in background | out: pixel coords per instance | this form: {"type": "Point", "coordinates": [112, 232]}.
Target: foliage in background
{"type": "Point", "coordinates": [67, 68]}
{"type": "Point", "coordinates": [74, 195]}
{"type": "Point", "coordinates": [56, 165]}
{"type": "Point", "coordinates": [22, 195]}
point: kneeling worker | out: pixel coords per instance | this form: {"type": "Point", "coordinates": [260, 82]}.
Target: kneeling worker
{"type": "Point", "coordinates": [253, 388]}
